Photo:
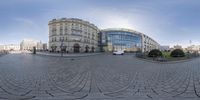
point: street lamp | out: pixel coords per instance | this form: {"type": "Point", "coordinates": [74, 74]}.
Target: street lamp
{"type": "Point", "coordinates": [34, 50]}
{"type": "Point", "coordinates": [62, 47]}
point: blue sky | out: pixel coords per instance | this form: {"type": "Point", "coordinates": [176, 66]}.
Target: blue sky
{"type": "Point", "coordinates": [169, 22]}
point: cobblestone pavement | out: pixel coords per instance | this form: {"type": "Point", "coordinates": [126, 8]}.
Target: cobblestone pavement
{"type": "Point", "coordinates": [100, 77]}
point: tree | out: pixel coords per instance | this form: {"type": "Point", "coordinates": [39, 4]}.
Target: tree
{"type": "Point", "coordinates": [177, 53]}
{"type": "Point", "coordinates": [155, 53]}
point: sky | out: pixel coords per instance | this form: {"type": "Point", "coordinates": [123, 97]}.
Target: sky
{"type": "Point", "coordinates": [169, 22]}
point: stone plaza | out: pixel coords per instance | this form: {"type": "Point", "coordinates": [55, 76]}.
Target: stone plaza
{"type": "Point", "coordinates": [98, 77]}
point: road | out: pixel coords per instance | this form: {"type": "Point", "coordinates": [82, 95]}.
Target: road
{"type": "Point", "coordinates": [100, 77]}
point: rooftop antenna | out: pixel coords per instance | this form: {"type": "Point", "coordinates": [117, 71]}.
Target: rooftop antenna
{"type": "Point", "coordinates": [190, 42]}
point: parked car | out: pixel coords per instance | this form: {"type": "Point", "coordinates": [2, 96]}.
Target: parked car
{"type": "Point", "coordinates": [120, 52]}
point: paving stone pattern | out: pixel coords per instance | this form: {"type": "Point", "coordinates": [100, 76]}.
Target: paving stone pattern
{"type": "Point", "coordinates": [100, 77]}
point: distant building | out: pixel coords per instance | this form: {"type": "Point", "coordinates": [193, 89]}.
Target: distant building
{"type": "Point", "coordinates": [178, 47]}
{"type": "Point", "coordinates": [27, 44]}
{"type": "Point", "coordinates": [10, 47]}
{"type": "Point", "coordinates": [1, 47]}
{"type": "Point", "coordinates": [39, 46]}
{"type": "Point", "coordinates": [164, 48]}
{"type": "Point", "coordinates": [193, 48]}
{"type": "Point", "coordinates": [44, 46]}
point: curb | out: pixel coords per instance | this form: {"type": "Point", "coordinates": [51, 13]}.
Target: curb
{"type": "Point", "coordinates": [167, 62]}
{"type": "Point", "coordinates": [2, 55]}
{"type": "Point", "coordinates": [70, 56]}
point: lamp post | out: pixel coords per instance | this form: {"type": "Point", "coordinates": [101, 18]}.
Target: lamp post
{"type": "Point", "coordinates": [61, 46]}
{"type": "Point", "coordinates": [34, 50]}
{"type": "Point", "coordinates": [68, 46]}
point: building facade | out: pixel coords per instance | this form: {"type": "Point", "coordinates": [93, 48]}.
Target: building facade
{"type": "Point", "coordinates": [44, 46]}
{"type": "Point", "coordinates": [125, 39]}
{"type": "Point", "coordinates": [120, 39]}
{"type": "Point", "coordinates": [10, 47]}
{"type": "Point", "coordinates": [177, 47]}
{"type": "Point", "coordinates": [28, 44]}
{"type": "Point", "coordinates": [148, 43]}
{"type": "Point", "coordinates": [39, 46]}
{"type": "Point", "coordinates": [72, 35]}
{"type": "Point", "coordinates": [193, 48]}
{"type": "Point", "coordinates": [164, 48]}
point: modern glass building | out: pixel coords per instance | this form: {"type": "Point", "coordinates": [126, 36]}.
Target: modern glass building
{"type": "Point", "coordinates": [120, 39]}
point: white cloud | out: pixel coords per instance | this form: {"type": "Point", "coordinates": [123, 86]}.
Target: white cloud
{"type": "Point", "coordinates": [112, 19]}
{"type": "Point", "coordinates": [115, 21]}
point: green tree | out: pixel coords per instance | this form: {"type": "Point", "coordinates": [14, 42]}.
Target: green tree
{"type": "Point", "coordinates": [177, 53]}
{"type": "Point", "coordinates": [155, 53]}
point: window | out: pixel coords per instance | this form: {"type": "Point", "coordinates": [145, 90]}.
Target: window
{"type": "Point", "coordinates": [65, 32]}
{"type": "Point", "coordinates": [65, 28]}
{"type": "Point", "coordinates": [61, 33]}
{"type": "Point", "coordinates": [61, 38]}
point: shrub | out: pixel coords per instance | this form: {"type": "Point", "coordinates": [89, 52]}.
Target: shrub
{"type": "Point", "coordinates": [155, 53]}
{"type": "Point", "coordinates": [177, 53]}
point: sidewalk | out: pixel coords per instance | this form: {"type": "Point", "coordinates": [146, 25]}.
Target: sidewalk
{"type": "Point", "coordinates": [3, 53]}
{"type": "Point", "coordinates": [67, 55]}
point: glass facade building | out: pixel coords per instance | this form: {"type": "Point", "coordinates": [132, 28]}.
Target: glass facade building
{"type": "Point", "coordinates": [121, 39]}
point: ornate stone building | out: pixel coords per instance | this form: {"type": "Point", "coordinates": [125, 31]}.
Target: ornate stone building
{"type": "Point", "coordinates": [72, 35]}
